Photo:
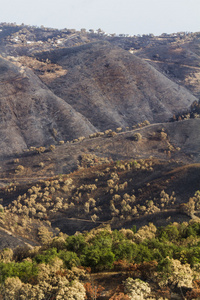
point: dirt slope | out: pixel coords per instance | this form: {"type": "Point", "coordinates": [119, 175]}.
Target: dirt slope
{"type": "Point", "coordinates": [112, 87]}
{"type": "Point", "coordinates": [52, 89]}
{"type": "Point", "coordinates": [31, 115]}
{"type": "Point", "coordinates": [178, 61]}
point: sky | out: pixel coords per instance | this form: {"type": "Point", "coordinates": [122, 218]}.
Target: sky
{"type": "Point", "coordinates": [112, 16]}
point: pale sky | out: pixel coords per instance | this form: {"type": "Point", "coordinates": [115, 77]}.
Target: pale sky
{"type": "Point", "coordinates": [112, 16]}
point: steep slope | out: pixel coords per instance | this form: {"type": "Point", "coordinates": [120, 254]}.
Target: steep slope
{"type": "Point", "coordinates": [31, 115]}
{"type": "Point", "coordinates": [112, 87]}
{"type": "Point", "coordinates": [179, 61]}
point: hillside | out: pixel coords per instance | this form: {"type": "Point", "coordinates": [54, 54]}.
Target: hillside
{"type": "Point", "coordinates": [176, 55]}
{"type": "Point", "coordinates": [77, 83]}
{"type": "Point", "coordinates": [165, 157]}
{"type": "Point", "coordinates": [165, 141]}
{"type": "Point", "coordinates": [178, 61]}
{"type": "Point", "coordinates": [114, 88]}
{"type": "Point", "coordinates": [100, 164]}
{"type": "Point", "coordinates": [31, 114]}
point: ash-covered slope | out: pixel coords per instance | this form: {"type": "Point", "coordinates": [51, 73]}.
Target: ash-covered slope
{"type": "Point", "coordinates": [112, 87]}
{"type": "Point", "coordinates": [31, 115]}
{"type": "Point", "coordinates": [178, 61]}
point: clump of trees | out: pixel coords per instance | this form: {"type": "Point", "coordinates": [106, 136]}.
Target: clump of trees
{"type": "Point", "coordinates": [158, 261]}
{"type": "Point", "coordinates": [88, 160]}
{"type": "Point", "coordinates": [192, 113]}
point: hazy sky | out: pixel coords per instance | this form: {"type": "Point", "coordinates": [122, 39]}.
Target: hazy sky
{"type": "Point", "coordinates": [113, 16]}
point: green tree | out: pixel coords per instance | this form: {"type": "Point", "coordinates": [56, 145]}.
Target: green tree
{"type": "Point", "coordinates": [46, 256]}
{"type": "Point", "coordinates": [76, 243]}
{"type": "Point", "coordinates": [69, 258]}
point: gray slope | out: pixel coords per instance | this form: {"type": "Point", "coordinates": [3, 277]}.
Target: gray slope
{"type": "Point", "coordinates": [112, 87]}
{"type": "Point", "coordinates": [29, 112]}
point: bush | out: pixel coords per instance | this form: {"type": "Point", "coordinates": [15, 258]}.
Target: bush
{"type": "Point", "coordinates": [19, 169]}
{"type": "Point", "coordinates": [69, 258]}
{"type": "Point", "coordinates": [98, 258]}
{"type": "Point", "coordinates": [137, 137]}
{"type": "Point", "coordinates": [24, 270]}
{"type": "Point", "coordinates": [76, 243]}
{"type": "Point", "coordinates": [136, 289]}
{"type": "Point", "coordinates": [47, 256]}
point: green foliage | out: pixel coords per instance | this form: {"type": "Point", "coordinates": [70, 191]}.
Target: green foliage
{"type": "Point", "coordinates": [193, 229]}
{"type": "Point", "coordinates": [25, 270]}
{"type": "Point", "coordinates": [70, 259]}
{"type": "Point", "coordinates": [125, 250]}
{"type": "Point", "coordinates": [101, 248]}
{"type": "Point", "coordinates": [118, 163]}
{"type": "Point", "coordinates": [160, 248]}
{"type": "Point", "coordinates": [134, 228]}
{"type": "Point", "coordinates": [47, 256]}
{"type": "Point", "coordinates": [105, 247]}
{"type": "Point", "coordinates": [98, 254]}
{"type": "Point", "coordinates": [144, 253]}
{"type": "Point", "coordinates": [170, 233]}
{"type": "Point", "coordinates": [165, 267]}
{"type": "Point", "coordinates": [102, 239]}
{"type": "Point", "coordinates": [98, 258]}
{"type": "Point", "coordinates": [76, 243]}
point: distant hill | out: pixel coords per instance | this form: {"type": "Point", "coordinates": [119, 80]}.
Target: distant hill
{"type": "Point", "coordinates": [178, 61]}
{"type": "Point", "coordinates": [176, 55]}
{"type": "Point", "coordinates": [63, 84]}
{"type": "Point", "coordinates": [112, 87]}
